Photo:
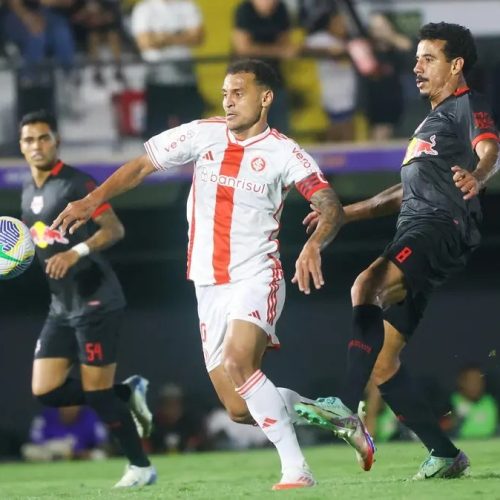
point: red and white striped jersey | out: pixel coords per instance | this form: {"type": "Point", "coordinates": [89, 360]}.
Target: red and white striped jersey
{"type": "Point", "coordinates": [236, 198]}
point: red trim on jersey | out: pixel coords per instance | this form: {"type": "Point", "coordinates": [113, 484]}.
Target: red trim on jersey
{"type": "Point", "coordinates": [272, 299]}
{"type": "Point", "coordinates": [259, 139]}
{"type": "Point", "coordinates": [278, 135]}
{"type": "Point", "coordinates": [152, 157]}
{"type": "Point", "coordinates": [277, 264]}
{"type": "Point", "coordinates": [57, 168]}
{"type": "Point", "coordinates": [192, 229]}
{"type": "Point", "coordinates": [482, 137]}
{"type": "Point", "coordinates": [310, 184]}
{"type": "Point", "coordinates": [223, 216]}
{"type": "Point", "coordinates": [100, 210]}
{"type": "Point", "coordinates": [461, 91]}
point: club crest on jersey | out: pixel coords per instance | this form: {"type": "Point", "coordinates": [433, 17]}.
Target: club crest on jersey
{"type": "Point", "coordinates": [36, 204]}
{"type": "Point", "coordinates": [258, 164]}
{"type": "Point", "coordinates": [418, 147]}
{"type": "Point", "coordinates": [43, 236]}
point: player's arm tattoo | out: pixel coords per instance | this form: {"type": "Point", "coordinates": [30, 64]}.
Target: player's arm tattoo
{"type": "Point", "coordinates": [110, 231]}
{"type": "Point", "coordinates": [385, 203]}
{"type": "Point", "coordinates": [331, 216]}
{"type": "Point", "coordinates": [489, 164]}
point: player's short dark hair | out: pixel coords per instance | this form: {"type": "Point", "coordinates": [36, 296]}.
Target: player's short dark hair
{"type": "Point", "coordinates": [459, 41]}
{"type": "Point", "coordinates": [40, 116]}
{"type": "Point", "coordinates": [263, 72]}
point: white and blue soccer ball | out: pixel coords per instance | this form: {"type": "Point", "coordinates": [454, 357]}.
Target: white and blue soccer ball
{"type": "Point", "coordinates": [16, 248]}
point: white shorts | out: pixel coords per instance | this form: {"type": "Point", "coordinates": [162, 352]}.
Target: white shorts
{"type": "Point", "coordinates": [259, 299]}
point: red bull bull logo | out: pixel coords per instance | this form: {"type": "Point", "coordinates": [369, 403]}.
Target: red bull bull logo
{"type": "Point", "coordinates": [43, 236]}
{"type": "Point", "coordinates": [418, 147]}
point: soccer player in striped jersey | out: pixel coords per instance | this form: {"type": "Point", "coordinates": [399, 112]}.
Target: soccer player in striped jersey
{"type": "Point", "coordinates": [243, 171]}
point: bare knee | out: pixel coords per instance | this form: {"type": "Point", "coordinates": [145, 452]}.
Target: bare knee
{"type": "Point", "coordinates": [237, 370]}
{"type": "Point", "coordinates": [363, 290]}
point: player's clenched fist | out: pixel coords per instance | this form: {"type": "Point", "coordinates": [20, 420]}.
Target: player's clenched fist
{"type": "Point", "coordinates": [466, 182]}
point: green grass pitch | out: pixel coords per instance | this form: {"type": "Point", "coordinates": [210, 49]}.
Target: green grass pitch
{"type": "Point", "coordinates": [249, 475]}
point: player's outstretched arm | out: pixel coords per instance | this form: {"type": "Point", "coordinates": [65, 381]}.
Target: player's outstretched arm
{"type": "Point", "coordinates": [330, 220]}
{"type": "Point", "coordinates": [124, 179]}
{"type": "Point", "coordinates": [110, 231]}
{"type": "Point", "coordinates": [385, 203]}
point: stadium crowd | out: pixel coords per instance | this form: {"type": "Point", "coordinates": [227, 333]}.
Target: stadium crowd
{"type": "Point", "coordinates": [37, 35]}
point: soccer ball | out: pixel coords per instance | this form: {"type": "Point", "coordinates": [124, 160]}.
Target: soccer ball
{"type": "Point", "coordinates": [16, 248]}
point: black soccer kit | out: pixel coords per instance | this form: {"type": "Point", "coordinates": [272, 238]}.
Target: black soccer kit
{"type": "Point", "coordinates": [87, 304]}
{"type": "Point", "coordinates": [437, 229]}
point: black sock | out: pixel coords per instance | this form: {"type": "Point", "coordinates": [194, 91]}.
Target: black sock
{"type": "Point", "coordinates": [411, 407]}
{"type": "Point", "coordinates": [363, 349]}
{"type": "Point", "coordinates": [115, 414]}
{"type": "Point", "coordinates": [70, 393]}
{"type": "Point", "coordinates": [122, 391]}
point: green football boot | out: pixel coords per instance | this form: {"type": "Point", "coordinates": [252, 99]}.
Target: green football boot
{"type": "Point", "coordinates": [446, 468]}
{"type": "Point", "coordinates": [331, 414]}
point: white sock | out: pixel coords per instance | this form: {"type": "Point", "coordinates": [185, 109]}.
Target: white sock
{"type": "Point", "coordinates": [268, 409]}
{"type": "Point", "coordinates": [291, 398]}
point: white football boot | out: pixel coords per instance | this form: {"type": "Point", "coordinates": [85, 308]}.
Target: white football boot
{"type": "Point", "coordinates": [138, 404]}
{"type": "Point", "coordinates": [137, 476]}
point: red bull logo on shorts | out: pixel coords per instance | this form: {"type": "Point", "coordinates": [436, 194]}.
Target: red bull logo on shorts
{"type": "Point", "coordinates": [419, 147]}
{"type": "Point", "coordinates": [43, 236]}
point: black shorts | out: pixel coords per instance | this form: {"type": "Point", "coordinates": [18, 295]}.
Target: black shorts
{"type": "Point", "coordinates": [91, 340]}
{"type": "Point", "coordinates": [428, 252]}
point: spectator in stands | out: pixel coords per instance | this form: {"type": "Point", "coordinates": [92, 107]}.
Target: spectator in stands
{"type": "Point", "coordinates": [327, 39]}
{"type": "Point", "coordinates": [175, 429]}
{"type": "Point", "coordinates": [475, 413]}
{"type": "Point", "coordinates": [262, 30]}
{"type": "Point", "coordinates": [102, 22]}
{"type": "Point", "coordinates": [38, 31]}
{"type": "Point", "coordinates": [384, 90]}
{"type": "Point", "coordinates": [165, 32]}
{"type": "Point", "coordinates": [69, 432]}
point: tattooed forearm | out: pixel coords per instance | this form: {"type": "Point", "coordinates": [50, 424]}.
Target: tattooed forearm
{"type": "Point", "coordinates": [331, 217]}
